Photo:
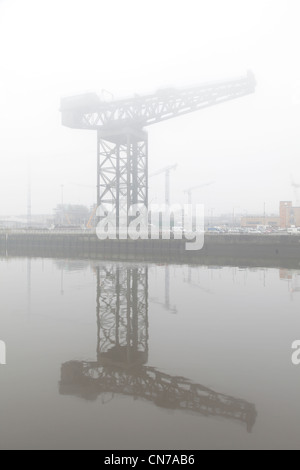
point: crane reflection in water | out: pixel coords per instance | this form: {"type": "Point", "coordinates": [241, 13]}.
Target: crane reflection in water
{"type": "Point", "coordinates": [122, 355]}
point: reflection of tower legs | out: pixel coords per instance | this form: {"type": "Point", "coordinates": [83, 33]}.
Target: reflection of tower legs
{"type": "Point", "coordinates": [122, 350]}
{"type": "Point", "coordinates": [122, 314]}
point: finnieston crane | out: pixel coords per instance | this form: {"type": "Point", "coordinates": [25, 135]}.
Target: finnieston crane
{"type": "Point", "coordinates": [122, 143]}
{"type": "Point", "coordinates": [167, 170]}
{"type": "Point", "coordinates": [190, 191]}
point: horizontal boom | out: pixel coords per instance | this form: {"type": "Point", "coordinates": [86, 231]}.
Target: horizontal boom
{"type": "Point", "coordinates": [88, 111]}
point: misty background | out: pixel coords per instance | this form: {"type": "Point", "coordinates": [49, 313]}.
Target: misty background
{"type": "Point", "coordinates": [53, 48]}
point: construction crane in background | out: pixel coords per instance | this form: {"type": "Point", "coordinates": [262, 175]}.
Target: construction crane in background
{"type": "Point", "coordinates": [167, 170]}
{"type": "Point", "coordinates": [190, 191]}
{"type": "Point", "coordinates": [122, 143]}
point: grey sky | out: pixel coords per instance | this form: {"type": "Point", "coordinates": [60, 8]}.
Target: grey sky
{"type": "Point", "coordinates": [51, 48]}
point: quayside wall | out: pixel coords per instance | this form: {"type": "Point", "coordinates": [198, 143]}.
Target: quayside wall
{"type": "Point", "coordinates": [224, 249]}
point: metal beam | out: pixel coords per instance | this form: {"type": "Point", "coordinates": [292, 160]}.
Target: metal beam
{"type": "Point", "coordinates": [122, 171]}
{"type": "Point", "coordinates": [89, 112]}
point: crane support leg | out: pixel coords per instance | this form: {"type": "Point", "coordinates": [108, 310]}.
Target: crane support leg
{"type": "Point", "coordinates": [122, 171]}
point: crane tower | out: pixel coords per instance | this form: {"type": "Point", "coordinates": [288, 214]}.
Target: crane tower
{"type": "Point", "coordinates": [166, 172]}
{"type": "Point", "coordinates": [122, 142]}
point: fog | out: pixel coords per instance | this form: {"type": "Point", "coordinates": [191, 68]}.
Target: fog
{"type": "Point", "coordinates": [249, 147]}
{"type": "Point", "coordinates": [141, 322]}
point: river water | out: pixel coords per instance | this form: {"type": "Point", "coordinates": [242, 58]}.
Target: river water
{"type": "Point", "coordinates": [104, 355]}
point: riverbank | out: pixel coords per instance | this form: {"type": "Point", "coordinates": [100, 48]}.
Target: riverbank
{"type": "Point", "coordinates": [223, 249]}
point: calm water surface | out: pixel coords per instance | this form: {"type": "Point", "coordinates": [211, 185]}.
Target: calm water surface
{"type": "Point", "coordinates": [125, 356]}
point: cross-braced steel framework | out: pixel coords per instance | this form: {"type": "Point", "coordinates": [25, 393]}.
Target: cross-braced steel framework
{"type": "Point", "coordinates": [122, 176]}
{"type": "Point", "coordinates": [122, 149]}
{"type": "Point", "coordinates": [122, 314]}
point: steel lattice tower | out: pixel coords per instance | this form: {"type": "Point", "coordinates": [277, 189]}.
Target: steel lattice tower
{"type": "Point", "coordinates": [122, 143]}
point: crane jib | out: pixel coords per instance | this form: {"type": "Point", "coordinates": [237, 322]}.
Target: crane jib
{"type": "Point", "coordinates": [88, 111]}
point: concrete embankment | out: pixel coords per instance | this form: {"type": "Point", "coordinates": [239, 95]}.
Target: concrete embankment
{"type": "Point", "coordinates": [227, 249]}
